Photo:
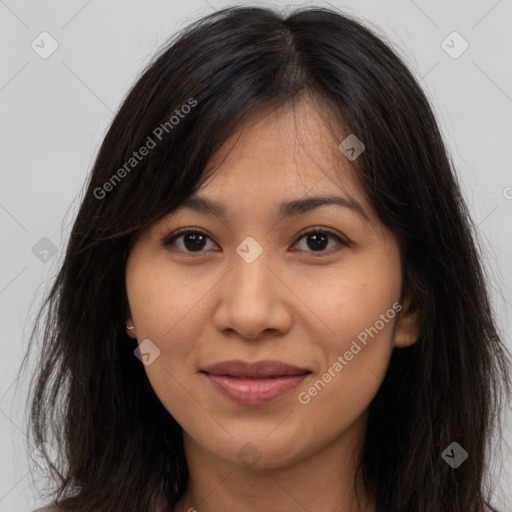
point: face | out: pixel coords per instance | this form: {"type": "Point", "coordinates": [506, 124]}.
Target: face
{"type": "Point", "coordinates": [266, 331]}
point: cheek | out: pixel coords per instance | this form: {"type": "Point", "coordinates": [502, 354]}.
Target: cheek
{"type": "Point", "coordinates": [166, 304]}
{"type": "Point", "coordinates": [353, 302]}
{"type": "Point", "coordinates": [358, 309]}
{"type": "Point", "coordinates": [169, 310]}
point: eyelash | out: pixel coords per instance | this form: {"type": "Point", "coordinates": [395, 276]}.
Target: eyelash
{"type": "Point", "coordinates": [170, 239]}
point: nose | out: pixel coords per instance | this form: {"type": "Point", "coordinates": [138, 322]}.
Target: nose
{"type": "Point", "coordinates": [253, 300]}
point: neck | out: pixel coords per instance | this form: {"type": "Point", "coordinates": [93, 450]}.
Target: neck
{"type": "Point", "coordinates": [324, 480]}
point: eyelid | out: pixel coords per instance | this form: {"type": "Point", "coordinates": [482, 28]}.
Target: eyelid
{"type": "Point", "coordinates": [167, 240]}
{"type": "Point", "coordinates": [320, 229]}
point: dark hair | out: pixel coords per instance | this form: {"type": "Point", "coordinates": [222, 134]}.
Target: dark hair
{"type": "Point", "coordinates": [120, 448]}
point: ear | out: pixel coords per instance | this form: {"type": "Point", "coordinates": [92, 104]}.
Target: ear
{"type": "Point", "coordinates": [131, 332]}
{"type": "Point", "coordinates": [407, 329]}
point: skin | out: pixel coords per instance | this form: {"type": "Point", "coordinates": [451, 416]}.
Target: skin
{"type": "Point", "coordinates": [291, 304]}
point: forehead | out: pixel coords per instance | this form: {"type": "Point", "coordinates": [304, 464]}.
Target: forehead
{"type": "Point", "coordinates": [280, 135]}
{"type": "Point", "coordinates": [288, 152]}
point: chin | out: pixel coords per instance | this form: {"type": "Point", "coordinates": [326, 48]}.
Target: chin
{"type": "Point", "coordinates": [261, 450]}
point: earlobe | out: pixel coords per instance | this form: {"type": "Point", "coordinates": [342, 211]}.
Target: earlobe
{"type": "Point", "coordinates": [407, 330]}
{"type": "Point", "coordinates": [130, 329]}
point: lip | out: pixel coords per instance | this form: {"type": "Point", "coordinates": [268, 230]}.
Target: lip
{"type": "Point", "coordinates": [254, 383]}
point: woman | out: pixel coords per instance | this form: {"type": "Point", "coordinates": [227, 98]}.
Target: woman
{"type": "Point", "coordinates": [271, 298]}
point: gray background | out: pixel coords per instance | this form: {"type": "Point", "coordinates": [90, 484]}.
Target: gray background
{"type": "Point", "coordinates": [55, 111]}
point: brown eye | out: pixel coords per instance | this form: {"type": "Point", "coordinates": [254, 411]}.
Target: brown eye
{"type": "Point", "coordinates": [189, 241]}
{"type": "Point", "coordinates": [317, 240]}
{"type": "Point", "coordinates": [194, 241]}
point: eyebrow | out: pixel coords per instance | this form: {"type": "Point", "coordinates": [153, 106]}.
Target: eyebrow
{"type": "Point", "coordinates": [289, 209]}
